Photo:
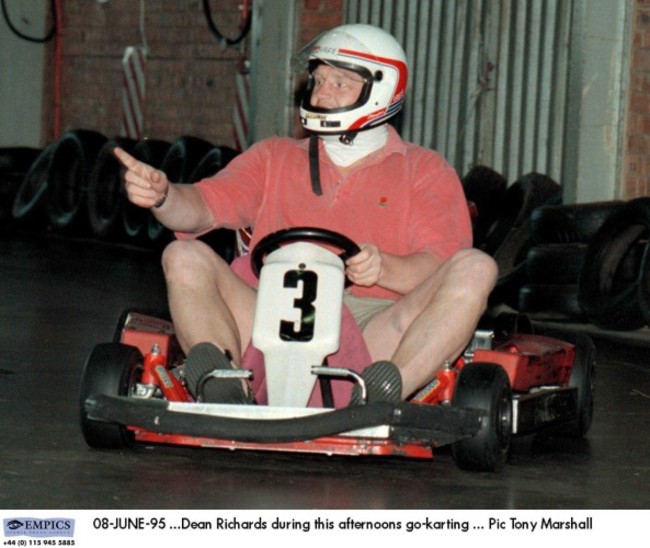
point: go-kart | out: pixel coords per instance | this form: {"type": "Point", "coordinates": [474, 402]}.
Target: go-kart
{"type": "Point", "coordinates": [506, 383]}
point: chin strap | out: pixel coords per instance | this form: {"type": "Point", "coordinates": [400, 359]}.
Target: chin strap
{"type": "Point", "coordinates": [314, 170]}
{"type": "Point", "coordinates": [314, 164]}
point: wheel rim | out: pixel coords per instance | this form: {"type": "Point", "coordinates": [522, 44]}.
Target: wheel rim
{"type": "Point", "coordinates": [503, 424]}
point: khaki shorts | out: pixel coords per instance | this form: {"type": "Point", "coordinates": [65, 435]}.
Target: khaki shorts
{"type": "Point", "coordinates": [365, 309]}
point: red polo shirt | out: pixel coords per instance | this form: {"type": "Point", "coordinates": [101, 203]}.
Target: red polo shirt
{"type": "Point", "coordinates": [402, 198]}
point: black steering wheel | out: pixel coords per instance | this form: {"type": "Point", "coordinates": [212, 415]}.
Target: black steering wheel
{"type": "Point", "coordinates": [275, 240]}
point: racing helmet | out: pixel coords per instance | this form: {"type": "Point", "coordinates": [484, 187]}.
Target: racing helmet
{"type": "Point", "coordinates": [376, 57]}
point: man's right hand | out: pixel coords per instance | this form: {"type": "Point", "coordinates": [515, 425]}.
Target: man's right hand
{"type": "Point", "coordinates": [145, 186]}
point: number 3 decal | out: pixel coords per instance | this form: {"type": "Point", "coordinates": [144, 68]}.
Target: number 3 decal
{"type": "Point", "coordinates": [305, 331]}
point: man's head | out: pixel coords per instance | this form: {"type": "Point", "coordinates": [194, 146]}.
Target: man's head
{"type": "Point", "coordinates": [358, 76]}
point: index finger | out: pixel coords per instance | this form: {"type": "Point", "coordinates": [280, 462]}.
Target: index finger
{"type": "Point", "coordinates": [133, 164]}
{"type": "Point", "coordinates": [125, 158]}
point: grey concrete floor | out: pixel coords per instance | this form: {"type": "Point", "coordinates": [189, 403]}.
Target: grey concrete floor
{"type": "Point", "coordinates": [59, 297]}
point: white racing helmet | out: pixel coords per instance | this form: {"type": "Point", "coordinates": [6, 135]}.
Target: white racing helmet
{"type": "Point", "coordinates": [374, 55]}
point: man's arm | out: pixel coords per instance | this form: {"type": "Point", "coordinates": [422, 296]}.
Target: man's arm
{"type": "Point", "coordinates": [178, 207]}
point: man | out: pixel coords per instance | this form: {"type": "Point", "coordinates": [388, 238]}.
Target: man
{"type": "Point", "coordinates": [419, 287]}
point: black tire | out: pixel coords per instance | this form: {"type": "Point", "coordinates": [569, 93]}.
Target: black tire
{"type": "Point", "coordinates": [157, 235]}
{"type": "Point", "coordinates": [607, 297]}
{"type": "Point", "coordinates": [549, 264]}
{"type": "Point", "coordinates": [645, 287]}
{"type": "Point", "coordinates": [72, 160]}
{"type": "Point", "coordinates": [511, 260]}
{"type": "Point", "coordinates": [484, 386]}
{"type": "Point", "coordinates": [29, 202]}
{"type": "Point", "coordinates": [485, 188]}
{"type": "Point", "coordinates": [18, 159]}
{"type": "Point", "coordinates": [569, 223]}
{"type": "Point", "coordinates": [9, 184]}
{"type": "Point", "coordinates": [212, 162]}
{"type": "Point", "coordinates": [111, 370]}
{"type": "Point", "coordinates": [183, 156]}
{"type": "Point", "coordinates": [105, 190]}
{"type": "Point", "coordinates": [135, 219]}
{"type": "Point", "coordinates": [521, 198]}
{"type": "Point", "coordinates": [582, 378]}
{"type": "Point", "coordinates": [551, 301]}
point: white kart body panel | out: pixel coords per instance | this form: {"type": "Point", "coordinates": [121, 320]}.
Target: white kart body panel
{"type": "Point", "coordinates": [298, 318]}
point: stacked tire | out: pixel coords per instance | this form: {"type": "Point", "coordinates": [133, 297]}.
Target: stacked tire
{"type": "Point", "coordinates": [614, 282]}
{"type": "Point", "coordinates": [55, 189]}
{"type": "Point", "coordinates": [502, 226]}
{"type": "Point", "coordinates": [71, 164]}
{"type": "Point", "coordinates": [586, 264]}
{"type": "Point", "coordinates": [105, 191]}
{"type": "Point", "coordinates": [14, 165]}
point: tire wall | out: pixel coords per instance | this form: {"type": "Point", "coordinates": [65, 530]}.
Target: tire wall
{"type": "Point", "coordinates": [585, 263]}
{"type": "Point", "coordinates": [74, 186]}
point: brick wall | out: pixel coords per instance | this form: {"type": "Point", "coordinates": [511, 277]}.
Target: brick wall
{"type": "Point", "coordinates": [317, 16]}
{"type": "Point", "coordinates": [190, 78]}
{"type": "Point", "coordinates": [190, 81]}
{"type": "Point", "coordinates": [636, 169]}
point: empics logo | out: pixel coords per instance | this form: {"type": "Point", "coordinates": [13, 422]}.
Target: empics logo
{"type": "Point", "coordinates": [39, 527]}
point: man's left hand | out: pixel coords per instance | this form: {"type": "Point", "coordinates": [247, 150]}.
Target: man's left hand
{"type": "Point", "coordinates": [365, 267]}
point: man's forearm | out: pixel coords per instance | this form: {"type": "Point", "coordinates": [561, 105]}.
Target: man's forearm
{"type": "Point", "coordinates": [184, 210]}
{"type": "Point", "coordinates": [402, 274]}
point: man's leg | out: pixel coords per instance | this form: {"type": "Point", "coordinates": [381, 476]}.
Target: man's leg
{"type": "Point", "coordinates": [434, 322]}
{"type": "Point", "coordinates": [208, 302]}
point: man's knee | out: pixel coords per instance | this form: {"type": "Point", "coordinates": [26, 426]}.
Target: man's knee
{"type": "Point", "coordinates": [477, 262]}
{"type": "Point", "coordinates": [474, 270]}
{"type": "Point", "coordinates": [188, 259]}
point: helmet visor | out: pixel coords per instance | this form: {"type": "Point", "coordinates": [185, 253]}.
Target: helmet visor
{"type": "Point", "coordinates": [364, 76]}
{"type": "Point", "coordinates": [325, 47]}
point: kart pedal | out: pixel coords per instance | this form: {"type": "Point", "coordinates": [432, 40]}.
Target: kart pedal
{"type": "Point", "coordinates": [206, 369]}
{"type": "Point", "coordinates": [383, 384]}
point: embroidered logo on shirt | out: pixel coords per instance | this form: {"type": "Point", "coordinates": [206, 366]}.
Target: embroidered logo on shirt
{"type": "Point", "coordinates": [383, 201]}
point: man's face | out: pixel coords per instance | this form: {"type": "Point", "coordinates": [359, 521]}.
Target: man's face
{"type": "Point", "coordinates": [335, 87]}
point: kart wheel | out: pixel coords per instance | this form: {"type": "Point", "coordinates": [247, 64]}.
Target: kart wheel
{"type": "Point", "coordinates": [484, 386]}
{"type": "Point", "coordinates": [112, 370]}
{"type": "Point", "coordinates": [582, 378]}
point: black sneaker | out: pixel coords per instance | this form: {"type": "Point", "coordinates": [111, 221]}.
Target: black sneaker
{"type": "Point", "coordinates": [383, 384]}
{"type": "Point", "coordinates": [203, 359]}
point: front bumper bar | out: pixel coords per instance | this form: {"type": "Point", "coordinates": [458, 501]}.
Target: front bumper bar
{"type": "Point", "coordinates": [405, 422]}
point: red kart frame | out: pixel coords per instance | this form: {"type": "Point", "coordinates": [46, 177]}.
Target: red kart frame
{"type": "Point", "coordinates": [533, 382]}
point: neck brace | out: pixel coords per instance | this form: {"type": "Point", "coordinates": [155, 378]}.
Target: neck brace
{"type": "Point", "coordinates": [365, 143]}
